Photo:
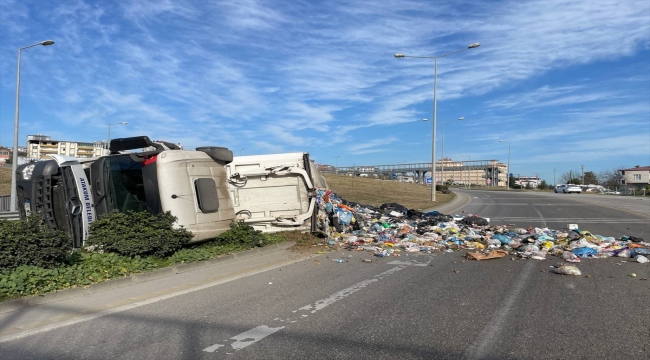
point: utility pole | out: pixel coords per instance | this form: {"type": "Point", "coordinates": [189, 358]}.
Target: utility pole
{"type": "Point", "coordinates": [554, 177]}
{"type": "Point", "coordinates": [582, 174]}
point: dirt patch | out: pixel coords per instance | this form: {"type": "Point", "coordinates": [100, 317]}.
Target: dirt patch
{"type": "Point", "coordinates": [306, 243]}
{"type": "Point", "coordinates": [5, 180]}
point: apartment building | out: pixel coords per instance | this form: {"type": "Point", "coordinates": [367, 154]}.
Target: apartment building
{"type": "Point", "coordinates": [42, 147]}
{"type": "Point", "coordinates": [635, 178]}
{"type": "Point", "coordinates": [5, 154]}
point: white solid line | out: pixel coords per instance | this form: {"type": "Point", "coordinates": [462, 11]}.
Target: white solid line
{"type": "Point", "coordinates": [250, 336]}
{"type": "Point", "coordinates": [118, 309]}
{"type": "Point", "coordinates": [490, 334]}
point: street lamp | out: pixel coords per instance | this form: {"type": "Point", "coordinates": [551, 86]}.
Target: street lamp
{"type": "Point", "coordinates": [443, 147]}
{"type": "Point", "coordinates": [468, 159]}
{"type": "Point", "coordinates": [508, 169]}
{"type": "Point", "coordinates": [240, 150]}
{"type": "Point", "coordinates": [435, 83]}
{"type": "Point", "coordinates": [14, 156]}
{"type": "Point", "coordinates": [108, 144]}
{"type": "Point", "coordinates": [336, 164]}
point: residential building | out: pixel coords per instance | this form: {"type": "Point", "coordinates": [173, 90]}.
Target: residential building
{"type": "Point", "coordinates": [42, 147]}
{"type": "Point", "coordinates": [5, 153]}
{"type": "Point", "coordinates": [635, 178]}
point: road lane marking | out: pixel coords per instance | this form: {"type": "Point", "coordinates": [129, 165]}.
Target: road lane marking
{"type": "Point", "coordinates": [251, 336]}
{"type": "Point", "coordinates": [486, 339]}
{"type": "Point", "coordinates": [541, 217]}
{"type": "Point", "coordinates": [89, 317]}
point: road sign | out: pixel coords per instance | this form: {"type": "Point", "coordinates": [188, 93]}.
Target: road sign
{"type": "Point", "coordinates": [428, 180]}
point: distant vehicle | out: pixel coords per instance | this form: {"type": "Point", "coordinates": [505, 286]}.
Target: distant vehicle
{"type": "Point", "coordinates": [560, 188]}
{"type": "Point", "coordinates": [572, 189]}
{"type": "Point", "coordinates": [612, 192]}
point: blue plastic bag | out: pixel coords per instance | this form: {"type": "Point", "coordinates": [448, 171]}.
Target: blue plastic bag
{"type": "Point", "coordinates": [345, 217]}
{"type": "Point", "coordinates": [584, 252]}
{"type": "Point", "coordinates": [504, 239]}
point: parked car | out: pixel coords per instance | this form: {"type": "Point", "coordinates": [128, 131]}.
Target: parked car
{"type": "Point", "coordinates": [572, 189]}
{"type": "Point", "coordinates": [560, 188]}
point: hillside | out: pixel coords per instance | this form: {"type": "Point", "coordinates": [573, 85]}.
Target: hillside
{"type": "Point", "coordinates": [376, 192]}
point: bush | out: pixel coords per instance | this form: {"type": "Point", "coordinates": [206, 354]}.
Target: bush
{"type": "Point", "coordinates": [241, 233]}
{"type": "Point", "coordinates": [138, 234]}
{"type": "Point", "coordinates": [443, 189]}
{"type": "Point", "coordinates": [30, 242]}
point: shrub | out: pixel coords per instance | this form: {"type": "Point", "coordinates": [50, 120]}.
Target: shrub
{"type": "Point", "coordinates": [30, 242]}
{"type": "Point", "coordinates": [138, 233]}
{"type": "Point", "coordinates": [241, 233]}
{"type": "Point", "coordinates": [443, 189]}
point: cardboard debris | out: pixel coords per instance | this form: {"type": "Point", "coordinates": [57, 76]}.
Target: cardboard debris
{"type": "Point", "coordinates": [494, 254]}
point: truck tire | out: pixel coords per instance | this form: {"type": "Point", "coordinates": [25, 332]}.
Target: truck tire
{"type": "Point", "coordinates": [219, 154]}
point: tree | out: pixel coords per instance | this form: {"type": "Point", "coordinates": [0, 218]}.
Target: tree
{"type": "Point", "coordinates": [9, 160]}
{"type": "Point", "coordinates": [570, 178]}
{"type": "Point", "coordinates": [590, 177]}
{"type": "Point", "coordinates": [513, 182]}
{"type": "Point", "coordinates": [610, 178]}
{"type": "Point", "coordinates": [542, 185]}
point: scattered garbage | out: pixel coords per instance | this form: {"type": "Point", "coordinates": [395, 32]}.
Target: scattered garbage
{"type": "Point", "coordinates": [494, 254]}
{"type": "Point", "coordinates": [566, 270]}
{"type": "Point", "coordinates": [392, 230]}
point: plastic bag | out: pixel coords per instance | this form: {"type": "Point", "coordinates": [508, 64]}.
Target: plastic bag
{"type": "Point", "coordinates": [566, 270]}
{"type": "Point", "coordinates": [642, 259]}
{"type": "Point", "coordinates": [584, 252]}
{"type": "Point", "coordinates": [570, 257]}
{"type": "Point", "coordinates": [344, 217]}
{"type": "Point", "coordinates": [624, 253]}
{"type": "Point", "coordinates": [502, 238]}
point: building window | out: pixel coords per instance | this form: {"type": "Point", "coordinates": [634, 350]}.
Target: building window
{"type": "Point", "coordinates": [637, 176]}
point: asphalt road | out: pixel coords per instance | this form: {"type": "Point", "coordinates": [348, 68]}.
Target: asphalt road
{"type": "Point", "coordinates": [438, 306]}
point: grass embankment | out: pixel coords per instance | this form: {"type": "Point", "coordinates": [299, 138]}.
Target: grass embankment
{"type": "Point", "coordinates": [376, 192]}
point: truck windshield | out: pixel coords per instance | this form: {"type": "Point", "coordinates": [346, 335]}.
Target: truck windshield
{"type": "Point", "coordinates": [124, 184]}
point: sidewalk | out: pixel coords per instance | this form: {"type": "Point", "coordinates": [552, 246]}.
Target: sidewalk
{"type": "Point", "coordinates": [24, 316]}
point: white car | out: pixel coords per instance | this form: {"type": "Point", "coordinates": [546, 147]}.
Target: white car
{"type": "Point", "coordinates": [560, 188]}
{"type": "Point", "coordinates": [572, 189]}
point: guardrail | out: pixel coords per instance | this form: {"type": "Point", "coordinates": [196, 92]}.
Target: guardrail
{"type": "Point", "coordinates": [9, 215]}
{"type": "Point", "coordinates": [5, 203]}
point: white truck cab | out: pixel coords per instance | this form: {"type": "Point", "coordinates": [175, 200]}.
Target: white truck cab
{"type": "Point", "coordinates": [275, 192]}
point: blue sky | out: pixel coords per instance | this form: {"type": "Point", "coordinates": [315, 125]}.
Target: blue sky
{"type": "Point", "coordinates": [566, 82]}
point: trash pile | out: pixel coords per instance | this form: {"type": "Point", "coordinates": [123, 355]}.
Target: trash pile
{"type": "Point", "coordinates": [391, 228]}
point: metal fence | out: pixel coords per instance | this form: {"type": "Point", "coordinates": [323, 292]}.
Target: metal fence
{"type": "Point", "coordinates": [5, 202]}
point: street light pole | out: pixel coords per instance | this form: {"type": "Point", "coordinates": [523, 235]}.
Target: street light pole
{"type": "Point", "coordinates": [508, 170]}
{"type": "Point", "coordinates": [336, 164]}
{"type": "Point", "coordinates": [435, 90]}
{"type": "Point", "coordinates": [442, 161]}
{"type": "Point", "coordinates": [14, 156]}
{"type": "Point", "coordinates": [108, 143]}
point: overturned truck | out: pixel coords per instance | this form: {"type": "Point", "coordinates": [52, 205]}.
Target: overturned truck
{"type": "Point", "coordinates": [206, 188]}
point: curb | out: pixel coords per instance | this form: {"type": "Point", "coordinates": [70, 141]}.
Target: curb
{"type": "Point", "coordinates": [460, 201]}
{"type": "Point", "coordinates": [17, 304]}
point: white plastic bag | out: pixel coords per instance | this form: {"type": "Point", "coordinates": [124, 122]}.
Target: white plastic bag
{"type": "Point", "coordinates": [642, 259]}
{"type": "Point", "coordinates": [566, 270]}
